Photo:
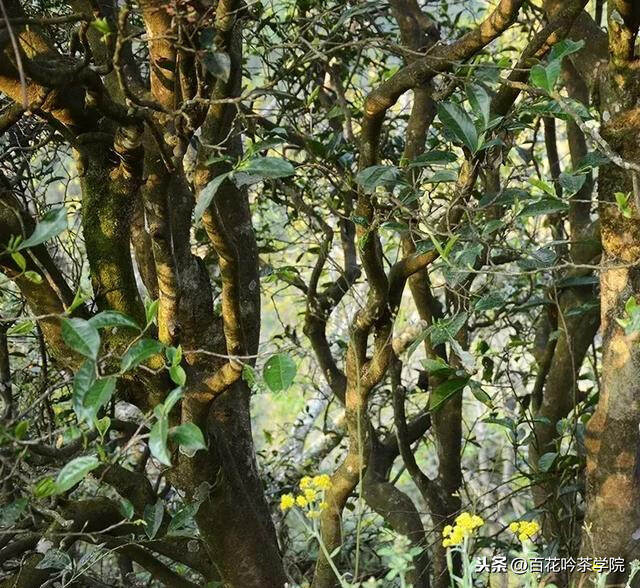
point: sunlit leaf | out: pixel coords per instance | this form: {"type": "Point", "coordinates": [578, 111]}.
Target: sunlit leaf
{"type": "Point", "coordinates": [139, 352]}
{"type": "Point", "coordinates": [207, 195]}
{"type": "Point", "coordinates": [445, 391]}
{"type": "Point", "coordinates": [81, 336]}
{"type": "Point", "coordinates": [112, 318]}
{"type": "Point", "coordinates": [75, 471]}
{"type": "Point", "coordinates": [279, 372]}
{"type": "Point", "coordinates": [51, 225]}
{"type": "Point", "coordinates": [158, 441]}
{"type": "Point", "coordinates": [188, 437]}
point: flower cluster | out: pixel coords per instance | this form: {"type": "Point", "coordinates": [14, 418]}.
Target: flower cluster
{"type": "Point", "coordinates": [465, 525]}
{"type": "Point", "coordinates": [524, 529]}
{"type": "Point", "coordinates": [311, 496]}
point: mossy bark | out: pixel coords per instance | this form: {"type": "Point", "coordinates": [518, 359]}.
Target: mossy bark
{"type": "Point", "coordinates": [613, 515]}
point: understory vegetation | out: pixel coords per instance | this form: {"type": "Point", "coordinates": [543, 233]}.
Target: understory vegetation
{"type": "Point", "coordinates": [319, 293]}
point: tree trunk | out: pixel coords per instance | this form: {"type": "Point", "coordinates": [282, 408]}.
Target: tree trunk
{"type": "Point", "coordinates": [612, 433]}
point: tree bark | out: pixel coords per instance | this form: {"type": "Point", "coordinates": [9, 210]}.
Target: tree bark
{"type": "Point", "coordinates": [612, 515]}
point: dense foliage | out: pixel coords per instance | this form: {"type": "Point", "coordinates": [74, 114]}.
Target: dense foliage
{"type": "Point", "coordinates": [309, 292]}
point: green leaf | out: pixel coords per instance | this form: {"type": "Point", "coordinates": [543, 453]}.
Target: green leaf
{"type": "Point", "coordinates": [174, 354]}
{"type": "Point", "coordinates": [445, 330]}
{"type": "Point", "coordinates": [78, 300]}
{"type": "Point", "coordinates": [99, 394]}
{"type": "Point", "coordinates": [82, 382]}
{"type": "Point", "coordinates": [171, 400]}
{"type": "Point", "coordinates": [51, 225]}
{"type": "Point", "coordinates": [565, 47]}
{"type": "Point", "coordinates": [178, 375]}
{"type": "Point", "coordinates": [10, 513]}
{"type": "Point", "coordinates": [54, 559]}
{"type": "Point", "coordinates": [492, 226]}
{"type": "Point", "coordinates": [267, 167]}
{"type": "Point", "coordinates": [45, 487]}
{"type": "Point", "coordinates": [417, 342]}
{"type": "Point", "coordinates": [140, 351]}
{"type": "Point", "coordinates": [442, 175]}
{"type": "Point", "coordinates": [158, 440]}
{"type": "Point", "coordinates": [622, 201]}
{"type": "Point", "coordinates": [102, 425]}
{"type": "Point", "coordinates": [546, 461]}
{"type": "Point", "coordinates": [591, 160]}
{"type": "Point", "coordinates": [151, 310]}
{"type": "Point", "coordinates": [21, 429]}
{"type": "Point", "coordinates": [188, 437]}
{"type": "Point", "coordinates": [489, 302]}
{"type": "Point", "coordinates": [538, 77]}
{"type": "Point", "coordinates": [480, 394]}
{"type": "Point", "coordinates": [586, 308]}
{"type": "Point", "coordinates": [251, 378]}
{"type": "Point", "coordinates": [153, 515]}
{"type": "Point", "coordinates": [544, 206]}
{"type": "Point", "coordinates": [434, 158]}
{"type": "Point", "coordinates": [207, 194]}
{"type": "Point", "coordinates": [460, 124]}
{"type": "Point", "coordinates": [126, 508]}
{"type": "Point", "coordinates": [545, 76]}
{"type": "Point", "coordinates": [445, 391]}
{"type": "Point", "coordinates": [101, 25]}
{"type": "Point", "coordinates": [631, 305]}
{"type": "Point", "coordinates": [438, 367]}
{"type": "Point", "coordinates": [19, 259]}
{"type": "Point", "coordinates": [449, 246]}
{"type": "Point", "coordinates": [279, 372]}
{"type": "Point", "coordinates": [480, 103]}
{"type": "Point", "coordinates": [183, 519]}
{"type": "Point", "coordinates": [218, 64]}
{"type": "Point", "coordinates": [544, 186]}
{"type": "Point", "coordinates": [75, 471]}
{"type": "Point", "coordinates": [571, 281]}
{"type": "Point", "coordinates": [541, 258]}
{"type": "Point", "coordinates": [377, 175]}
{"type": "Point", "coordinates": [34, 277]}
{"type": "Point", "coordinates": [113, 318]}
{"type": "Point", "coordinates": [21, 328]}
{"type": "Point", "coordinates": [631, 323]}
{"type": "Point", "coordinates": [495, 142]}
{"type": "Point", "coordinates": [81, 336]}
{"type": "Point", "coordinates": [571, 184]}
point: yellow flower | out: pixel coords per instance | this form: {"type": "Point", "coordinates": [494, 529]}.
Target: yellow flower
{"type": "Point", "coordinates": [468, 521]}
{"type": "Point", "coordinates": [322, 482]}
{"type": "Point", "coordinates": [286, 502]}
{"type": "Point", "coordinates": [465, 526]}
{"type": "Point", "coordinates": [323, 505]}
{"type": "Point", "coordinates": [305, 482]}
{"type": "Point", "coordinates": [310, 494]}
{"type": "Point", "coordinates": [301, 501]}
{"type": "Point", "coordinates": [524, 529]}
{"type": "Point", "coordinates": [463, 520]}
{"type": "Point", "coordinates": [458, 535]}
